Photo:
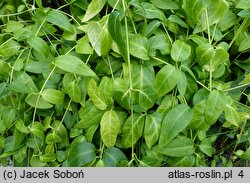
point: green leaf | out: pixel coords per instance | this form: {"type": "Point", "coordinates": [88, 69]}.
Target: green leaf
{"type": "Point", "coordinates": [117, 33]}
{"type": "Point", "coordinates": [80, 154]}
{"type": "Point", "coordinates": [206, 147]}
{"type": "Point", "coordinates": [5, 69]}
{"type": "Point", "coordinates": [53, 96]}
{"type": "Point", "coordinates": [109, 127]}
{"type": "Point", "coordinates": [112, 156]}
{"type": "Point", "coordinates": [132, 130]}
{"type": "Point", "coordinates": [99, 36]}
{"type": "Point", "coordinates": [39, 45]}
{"type": "Point", "coordinates": [89, 115]}
{"type": "Point", "coordinates": [179, 21]}
{"type": "Point", "coordinates": [205, 53]}
{"type": "Point", "coordinates": [74, 92]}
{"type": "Point", "coordinates": [36, 129]}
{"type": "Point", "coordinates": [167, 103]}
{"type": "Point", "coordinates": [8, 116]}
{"type": "Point", "coordinates": [138, 46]}
{"type": "Point", "coordinates": [243, 4]}
{"type": "Point", "coordinates": [9, 48]}
{"type": "Point", "coordinates": [165, 4]}
{"type": "Point", "coordinates": [176, 120]}
{"type": "Point", "coordinates": [37, 67]}
{"type": "Point", "coordinates": [214, 106]}
{"type": "Point", "coordinates": [96, 96]}
{"type": "Point", "coordinates": [182, 84]}
{"type": "Point", "coordinates": [48, 157]}
{"type": "Point", "coordinates": [59, 19]}
{"type": "Point", "coordinates": [83, 46]}
{"type": "Point", "coordinates": [151, 12]}
{"type": "Point", "coordinates": [231, 113]}
{"type": "Point", "coordinates": [187, 161]}
{"type": "Point", "coordinates": [181, 146]}
{"type": "Point", "coordinates": [73, 65]}
{"type": "Point", "coordinates": [166, 79]}
{"type": "Point", "coordinates": [180, 51]}
{"type": "Point", "coordinates": [245, 43]}
{"type": "Point", "coordinates": [36, 100]}
{"type": "Point", "coordinates": [159, 42]}
{"type": "Point", "coordinates": [94, 8]}
{"type": "Point", "coordinates": [19, 124]}
{"type": "Point", "coordinates": [152, 128]}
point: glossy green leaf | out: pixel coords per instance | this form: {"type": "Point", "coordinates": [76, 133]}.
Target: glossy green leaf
{"type": "Point", "coordinates": [19, 124]}
{"type": "Point", "coordinates": [166, 79]}
{"type": "Point", "coordinates": [132, 130]}
{"type": "Point", "coordinates": [117, 33]}
{"type": "Point", "coordinates": [214, 106]}
{"type": "Point", "coordinates": [138, 46]}
{"type": "Point", "coordinates": [182, 84]}
{"type": "Point", "coordinates": [109, 127]}
{"type": "Point", "coordinates": [48, 157]}
{"type": "Point", "coordinates": [73, 65]}
{"type": "Point", "coordinates": [151, 12]}
{"type": "Point", "coordinates": [205, 53]}
{"type": "Point", "coordinates": [152, 128]}
{"type": "Point", "coordinates": [93, 9]}
{"type": "Point", "coordinates": [180, 51]}
{"type": "Point", "coordinates": [53, 96]}
{"type": "Point", "coordinates": [179, 21]}
{"type": "Point", "coordinates": [89, 115]}
{"type": "Point", "coordinates": [112, 156]}
{"type": "Point", "coordinates": [181, 146]}
{"type": "Point", "coordinates": [176, 120]}
{"type": "Point", "coordinates": [165, 4]}
{"type": "Point", "coordinates": [74, 92]}
{"type": "Point", "coordinates": [37, 130]}
{"type": "Point", "coordinates": [80, 154]}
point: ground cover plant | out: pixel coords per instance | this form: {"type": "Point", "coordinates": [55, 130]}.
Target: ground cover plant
{"type": "Point", "coordinates": [124, 82]}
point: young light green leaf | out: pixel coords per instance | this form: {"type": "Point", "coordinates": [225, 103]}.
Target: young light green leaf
{"type": "Point", "coordinates": [37, 67]}
{"type": "Point", "coordinates": [53, 96]}
{"type": "Point", "coordinates": [151, 12]}
{"type": "Point", "coordinates": [205, 53]}
{"type": "Point", "coordinates": [179, 21]}
{"type": "Point", "coordinates": [138, 46]}
{"type": "Point", "coordinates": [180, 51]}
{"type": "Point", "coordinates": [166, 79]}
{"type": "Point", "coordinates": [83, 46]}
{"type": "Point", "coordinates": [99, 36]}
{"type": "Point", "coordinates": [94, 8]}
{"type": "Point", "coordinates": [165, 4]}
{"type": "Point", "coordinates": [96, 96]}
{"type": "Point", "coordinates": [74, 65]}
{"type": "Point", "coordinates": [152, 128]}
{"type": "Point", "coordinates": [74, 92]}
{"type": "Point", "coordinates": [176, 120]}
{"type": "Point", "coordinates": [231, 113]}
{"type": "Point", "coordinates": [10, 48]}
{"type": "Point", "coordinates": [181, 146]}
{"type": "Point", "coordinates": [109, 127]}
{"type": "Point", "coordinates": [37, 130]}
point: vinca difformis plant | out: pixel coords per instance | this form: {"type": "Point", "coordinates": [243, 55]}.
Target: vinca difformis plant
{"type": "Point", "coordinates": [125, 82]}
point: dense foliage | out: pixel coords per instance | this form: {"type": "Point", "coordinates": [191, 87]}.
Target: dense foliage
{"type": "Point", "coordinates": [125, 82]}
